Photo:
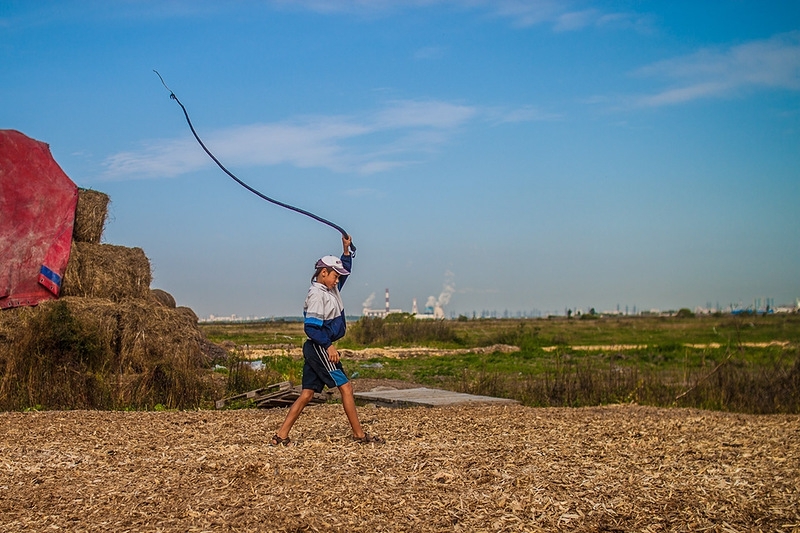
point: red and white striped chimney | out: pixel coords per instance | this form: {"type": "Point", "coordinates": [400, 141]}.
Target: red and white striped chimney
{"type": "Point", "coordinates": [387, 301]}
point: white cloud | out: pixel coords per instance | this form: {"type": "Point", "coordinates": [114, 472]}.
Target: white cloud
{"type": "Point", "coordinates": [164, 158]}
{"type": "Point", "coordinates": [576, 20]}
{"type": "Point", "coordinates": [392, 137]}
{"type": "Point", "coordinates": [594, 18]}
{"type": "Point", "coordinates": [362, 7]}
{"type": "Point", "coordinates": [522, 114]}
{"type": "Point", "coordinates": [425, 114]}
{"type": "Point", "coordinates": [772, 63]}
{"type": "Point", "coordinates": [522, 13]}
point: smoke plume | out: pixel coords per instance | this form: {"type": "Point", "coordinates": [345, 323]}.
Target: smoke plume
{"type": "Point", "coordinates": [368, 302]}
{"type": "Point", "coordinates": [448, 289]}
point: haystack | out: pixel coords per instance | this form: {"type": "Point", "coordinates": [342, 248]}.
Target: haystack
{"type": "Point", "coordinates": [9, 318]}
{"type": "Point", "coordinates": [109, 342]}
{"type": "Point", "coordinates": [83, 353]}
{"type": "Point", "coordinates": [162, 297]}
{"type": "Point", "coordinates": [107, 271]}
{"type": "Point", "coordinates": [90, 216]}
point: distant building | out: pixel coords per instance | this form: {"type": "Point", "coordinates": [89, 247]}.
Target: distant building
{"type": "Point", "coordinates": [379, 313]}
{"type": "Point", "coordinates": [433, 311]}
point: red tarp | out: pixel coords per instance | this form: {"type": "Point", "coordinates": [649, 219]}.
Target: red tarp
{"type": "Point", "coordinates": [37, 212]}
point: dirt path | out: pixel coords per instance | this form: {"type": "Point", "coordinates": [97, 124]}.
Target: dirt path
{"type": "Point", "coordinates": [616, 468]}
{"type": "Point", "coordinates": [257, 352]}
{"type": "Point", "coordinates": [622, 347]}
{"type": "Point", "coordinates": [271, 350]}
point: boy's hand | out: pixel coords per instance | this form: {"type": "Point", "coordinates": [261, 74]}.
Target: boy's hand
{"type": "Point", "coordinates": [333, 354]}
{"type": "Point", "coordinates": [346, 244]}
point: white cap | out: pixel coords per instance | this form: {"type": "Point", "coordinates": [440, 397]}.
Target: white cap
{"type": "Point", "coordinates": [331, 261]}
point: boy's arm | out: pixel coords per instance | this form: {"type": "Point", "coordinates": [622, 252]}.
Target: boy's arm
{"type": "Point", "coordinates": [313, 324]}
{"type": "Point", "coordinates": [347, 260]}
{"type": "Point", "coordinates": [314, 331]}
{"type": "Point", "coordinates": [346, 244]}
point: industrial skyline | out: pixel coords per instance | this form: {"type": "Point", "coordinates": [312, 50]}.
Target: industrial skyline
{"type": "Point", "coordinates": [758, 306]}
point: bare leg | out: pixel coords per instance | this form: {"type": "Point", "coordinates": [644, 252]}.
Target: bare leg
{"type": "Point", "coordinates": [349, 404]}
{"type": "Point", "coordinates": [294, 411]}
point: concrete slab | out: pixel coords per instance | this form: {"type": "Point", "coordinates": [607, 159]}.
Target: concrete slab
{"type": "Point", "coordinates": [422, 397]}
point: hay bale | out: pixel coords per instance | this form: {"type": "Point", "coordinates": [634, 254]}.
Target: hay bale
{"type": "Point", "coordinates": [106, 271]}
{"type": "Point", "coordinates": [188, 313]}
{"type": "Point", "coordinates": [90, 216]}
{"type": "Point", "coordinates": [162, 297]}
{"type": "Point", "coordinates": [56, 359]}
{"type": "Point", "coordinates": [92, 353]}
{"type": "Point", "coordinates": [162, 348]}
{"type": "Point", "coordinates": [9, 321]}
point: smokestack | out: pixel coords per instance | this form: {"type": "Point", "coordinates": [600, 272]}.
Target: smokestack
{"type": "Point", "coordinates": [414, 307]}
{"type": "Point", "coordinates": [387, 301]}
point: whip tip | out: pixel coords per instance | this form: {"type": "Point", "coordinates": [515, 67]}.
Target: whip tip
{"type": "Point", "coordinates": [164, 83]}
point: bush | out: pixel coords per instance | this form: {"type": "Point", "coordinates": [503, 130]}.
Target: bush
{"type": "Point", "coordinates": [732, 386]}
{"type": "Point", "coordinates": [243, 378]}
{"type": "Point", "coordinates": [400, 329]}
{"type": "Point", "coordinates": [736, 386]}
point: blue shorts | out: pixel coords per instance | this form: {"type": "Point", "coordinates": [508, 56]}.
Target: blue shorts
{"type": "Point", "coordinates": [318, 371]}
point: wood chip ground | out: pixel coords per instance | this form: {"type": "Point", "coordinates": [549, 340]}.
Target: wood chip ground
{"type": "Point", "coordinates": [465, 468]}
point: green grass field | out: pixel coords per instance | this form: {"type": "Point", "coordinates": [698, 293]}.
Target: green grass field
{"type": "Point", "coordinates": [742, 363]}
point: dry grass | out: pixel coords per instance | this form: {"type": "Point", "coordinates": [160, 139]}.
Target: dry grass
{"type": "Point", "coordinates": [107, 271]}
{"type": "Point", "coordinates": [90, 216]}
{"type": "Point", "coordinates": [162, 297]}
{"type": "Point", "coordinates": [75, 353]}
{"type": "Point", "coordinates": [477, 468]}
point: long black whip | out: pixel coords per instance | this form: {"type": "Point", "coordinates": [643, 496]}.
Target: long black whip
{"type": "Point", "coordinates": [243, 184]}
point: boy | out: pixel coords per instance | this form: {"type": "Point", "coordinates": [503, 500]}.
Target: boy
{"type": "Point", "coordinates": [324, 324]}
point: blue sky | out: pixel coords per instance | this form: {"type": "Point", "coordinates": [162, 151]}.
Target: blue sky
{"type": "Point", "coordinates": [504, 155]}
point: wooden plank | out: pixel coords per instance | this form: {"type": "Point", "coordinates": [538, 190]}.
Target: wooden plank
{"type": "Point", "coordinates": [287, 398]}
{"type": "Point", "coordinates": [276, 394]}
{"type": "Point", "coordinates": [275, 388]}
{"type": "Point", "coordinates": [275, 402]}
